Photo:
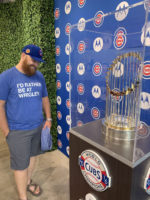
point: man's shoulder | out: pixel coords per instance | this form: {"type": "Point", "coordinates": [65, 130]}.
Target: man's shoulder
{"type": "Point", "coordinates": [39, 74]}
{"type": "Point", "coordinates": [7, 72]}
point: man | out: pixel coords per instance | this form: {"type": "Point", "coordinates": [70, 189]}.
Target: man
{"type": "Point", "coordinates": [23, 97]}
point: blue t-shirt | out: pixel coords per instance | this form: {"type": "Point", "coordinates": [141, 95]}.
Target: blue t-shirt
{"type": "Point", "coordinates": [23, 95]}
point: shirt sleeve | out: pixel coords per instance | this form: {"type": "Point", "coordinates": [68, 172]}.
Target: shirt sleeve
{"type": "Point", "coordinates": [4, 86]}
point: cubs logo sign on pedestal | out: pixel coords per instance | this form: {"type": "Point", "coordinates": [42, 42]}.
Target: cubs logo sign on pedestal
{"type": "Point", "coordinates": [147, 182]}
{"type": "Point", "coordinates": [94, 170]}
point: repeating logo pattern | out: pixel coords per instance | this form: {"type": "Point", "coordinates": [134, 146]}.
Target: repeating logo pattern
{"type": "Point", "coordinates": [68, 68]}
{"type": "Point", "coordinates": [68, 7]}
{"type": "Point", "coordinates": [120, 38]}
{"type": "Point", "coordinates": [146, 70]}
{"type": "Point", "coordinates": [84, 50]}
{"type": "Point", "coordinates": [95, 112]}
{"type": "Point", "coordinates": [57, 50]}
{"type": "Point", "coordinates": [122, 11]}
{"type": "Point", "coordinates": [145, 101]}
{"type": "Point", "coordinates": [97, 69]}
{"type": "Point", "coordinates": [81, 3]}
{"type": "Point", "coordinates": [145, 36]}
{"type": "Point", "coordinates": [98, 44]}
{"type": "Point", "coordinates": [81, 47]}
{"type": "Point", "coordinates": [98, 19]}
{"type": "Point", "coordinates": [57, 13]}
{"type": "Point", "coordinates": [57, 32]}
{"type": "Point", "coordinates": [80, 108]}
{"type": "Point", "coordinates": [67, 28]}
{"type": "Point", "coordinates": [81, 24]}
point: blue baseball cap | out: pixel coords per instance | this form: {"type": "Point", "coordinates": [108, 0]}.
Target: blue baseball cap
{"type": "Point", "coordinates": [34, 51]}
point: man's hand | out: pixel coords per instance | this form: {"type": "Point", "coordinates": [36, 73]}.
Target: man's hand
{"type": "Point", "coordinates": [47, 124]}
{"type": "Point", "coordinates": [3, 120]}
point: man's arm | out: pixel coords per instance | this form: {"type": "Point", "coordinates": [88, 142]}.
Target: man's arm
{"type": "Point", "coordinates": [47, 111]}
{"type": "Point", "coordinates": [3, 120]}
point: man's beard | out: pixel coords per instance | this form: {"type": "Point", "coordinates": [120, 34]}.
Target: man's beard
{"type": "Point", "coordinates": [29, 70]}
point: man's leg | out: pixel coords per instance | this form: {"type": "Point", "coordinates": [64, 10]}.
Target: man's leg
{"type": "Point", "coordinates": [31, 168]}
{"type": "Point", "coordinates": [21, 177]}
{"type": "Point", "coordinates": [30, 171]}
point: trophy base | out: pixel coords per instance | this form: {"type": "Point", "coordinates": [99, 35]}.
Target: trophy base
{"type": "Point", "coordinates": [124, 134]}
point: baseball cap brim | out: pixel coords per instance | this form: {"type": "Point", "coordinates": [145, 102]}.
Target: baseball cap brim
{"type": "Point", "coordinates": [37, 59]}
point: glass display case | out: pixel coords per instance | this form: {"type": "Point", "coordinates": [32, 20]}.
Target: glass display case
{"type": "Point", "coordinates": [107, 56]}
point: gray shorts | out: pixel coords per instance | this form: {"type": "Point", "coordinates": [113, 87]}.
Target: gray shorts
{"type": "Point", "coordinates": [23, 144]}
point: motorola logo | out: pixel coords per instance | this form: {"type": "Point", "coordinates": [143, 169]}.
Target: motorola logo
{"type": "Point", "coordinates": [80, 108]}
{"type": "Point", "coordinates": [68, 7]}
{"type": "Point", "coordinates": [96, 91]}
{"type": "Point", "coordinates": [98, 44]}
{"type": "Point", "coordinates": [122, 11]}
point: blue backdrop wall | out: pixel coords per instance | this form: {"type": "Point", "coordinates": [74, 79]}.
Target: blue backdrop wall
{"type": "Point", "coordinates": [87, 107]}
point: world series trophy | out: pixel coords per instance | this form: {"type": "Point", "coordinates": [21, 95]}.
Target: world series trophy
{"type": "Point", "coordinates": [122, 96]}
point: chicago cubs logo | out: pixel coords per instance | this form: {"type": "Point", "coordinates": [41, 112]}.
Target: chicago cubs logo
{"type": "Point", "coordinates": [97, 69]}
{"type": "Point", "coordinates": [57, 50]}
{"type": "Point", "coordinates": [81, 3]}
{"type": "Point", "coordinates": [98, 19]}
{"type": "Point", "coordinates": [81, 24]}
{"type": "Point", "coordinates": [68, 7]}
{"type": "Point", "coordinates": [58, 83]}
{"type": "Point", "coordinates": [147, 182]}
{"type": "Point", "coordinates": [57, 32]}
{"type": "Point", "coordinates": [68, 49]}
{"type": "Point", "coordinates": [96, 91]}
{"type": "Point", "coordinates": [68, 68]}
{"type": "Point", "coordinates": [145, 101]}
{"type": "Point", "coordinates": [27, 51]}
{"type": "Point", "coordinates": [68, 103]}
{"type": "Point", "coordinates": [57, 13]}
{"type": "Point", "coordinates": [59, 143]}
{"type": "Point", "coordinates": [145, 36]}
{"type": "Point", "coordinates": [68, 86]}
{"type": "Point", "coordinates": [68, 119]}
{"type": "Point", "coordinates": [79, 123]}
{"type": "Point", "coordinates": [146, 70]}
{"type": "Point", "coordinates": [67, 135]}
{"type": "Point", "coordinates": [116, 99]}
{"type": "Point", "coordinates": [81, 69]}
{"type": "Point", "coordinates": [80, 89]}
{"type": "Point", "coordinates": [80, 108]}
{"type": "Point", "coordinates": [67, 28]}
{"type": "Point", "coordinates": [143, 130]}
{"type": "Point", "coordinates": [94, 170]}
{"type": "Point", "coordinates": [98, 44]}
{"type": "Point", "coordinates": [58, 100]}
{"type": "Point", "coordinates": [59, 115]}
{"type": "Point", "coordinates": [58, 68]}
{"type": "Point", "coordinates": [120, 38]}
{"type": "Point", "coordinates": [122, 11]}
{"type": "Point", "coordinates": [118, 70]}
{"type": "Point", "coordinates": [95, 113]}
{"type": "Point", "coordinates": [81, 47]}
{"type": "Point", "coordinates": [59, 129]}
